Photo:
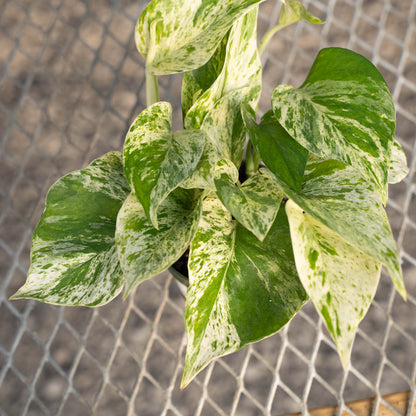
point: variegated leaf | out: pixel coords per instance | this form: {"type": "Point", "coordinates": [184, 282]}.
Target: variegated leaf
{"type": "Point", "coordinates": [217, 111]}
{"type": "Point", "coordinates": [241, 290]}
{"type": "Point", "coordinates": [343, 111]}
{"type": "Point", "coordinates": [156, 160]}
{"type": "Point", "coordinates": [398, 169]}
{"type": "Point", "coordinates": [340, 279]}
{"type": "Point", "coordinates": [73, 258]}
{"type": "Point", "coordinates": [181, 36]}
{"type": "Point", "coordinates": [196, 82]}
{"type": "Point", "coordinates": [340, 198]}
{"type": "Point", "coordinates": [144, 251]}
{"type": "Point", "coordinates": [283, 155]}
{"type": "Point", "coordinates": [254, 204]}
{"type": "Point", "coordinates": [240, 75]}
{"type": "Point", "coordinates": [224, 141]}
{"type": "Point", "coordinates": [293, 11]}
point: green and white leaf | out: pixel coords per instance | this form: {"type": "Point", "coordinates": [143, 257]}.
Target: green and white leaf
{"type": "Point", "coordinates": [398, 169]}
{"type": "Point", "coordinates": [217, 111]}
{"type": "Point", "coordinates": [181, 36]}
{"type": "Point", "coordinates": [254, 204]}
{"type": "Point", "coordinates": [292, 12]}
{"type": "Point", "coordinates": [336, 195]}
{"type": "Point", "coordinates": [283, 155]}
{"type": "Point", "coordinates": [145, 251]}
{"type": "Point", "coordinates": [156, 160]}
{"type": "Point", "coordinates": [196, 82]}
{"type": "Point", "coordinates": [343, 111]}
{"type": "Point", "coordinates": [73, 258]}
{"type": "Point", "coordinates": [224, 141]}
{"type": "Point", "coordinates": [241, 290]}
{"type": "Point", "coordinates": [340, 279]}
{"type": "Point", "coordinates": [240, 77]}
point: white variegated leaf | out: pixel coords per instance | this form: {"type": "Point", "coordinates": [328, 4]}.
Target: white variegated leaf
{"type": "Point", "coordinates": [340, 279]}
{"type": "Point", "coordinates": [156, 160]}
{"type": "Point", "coordinates": [240, 74]}
{"type": "Point", "coordinates": [217, 110]}
{"type": "Point", "coordinates": [398, 169]}
{"type": "Point", "coordinates": [254, 204]}
{"type": "Point", "coordinates": [145, 251]}
{"type": "Point", "coordinates": [179, 36]}
{"type": "Point", "coordinates": [241, 290]}
{"type": "Point", "coordinates": [73, 258]}
{"type": "Point", "coordinates": [196, 82]}
{"type": "Point", "coordinates": [340, 198]}
{"type": "Point", "coordinates": [343, 111]}
{"type": "Point", "coordinates": [224, 141]}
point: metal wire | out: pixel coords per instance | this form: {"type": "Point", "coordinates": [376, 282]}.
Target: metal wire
{"type": "Point", "coordinates": [71, 82]}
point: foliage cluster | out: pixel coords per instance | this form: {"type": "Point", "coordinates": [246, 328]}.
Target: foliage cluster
{"type": "Point", "coordinates": [308, 222]}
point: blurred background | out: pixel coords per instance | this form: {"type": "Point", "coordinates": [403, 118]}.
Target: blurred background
{"type": "Point", "coordinates": [71, 82]}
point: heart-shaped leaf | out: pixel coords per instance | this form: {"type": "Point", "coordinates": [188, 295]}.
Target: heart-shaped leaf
{"type": "Point", "coordinates": [144, 251]}
{"type": "Point", "coordinates": [343, 111]}
{"type": "Point", "coordinates": [340, 279]}
{"type": "Point", "coordinates": [181, 36]}
{"type": "Point", "coordinates": [156, 160]}
{"type": "Point", "coordinates": [254, 204]}
{"type": "Point", "coordinates": [283, 155]}
{"type": "Point", "coordinates": [74, 259]}
{"type": "Point", "coordinates": [336, 195]}
{"type": "Point", "coordinates": [241, 290]}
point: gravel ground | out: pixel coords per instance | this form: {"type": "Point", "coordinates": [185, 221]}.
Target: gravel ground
{"type": "Point", "coordinates": [71, 82]}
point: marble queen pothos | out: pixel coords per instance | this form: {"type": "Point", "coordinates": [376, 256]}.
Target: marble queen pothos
{"type": "Point", "coordinates": [304, 219]}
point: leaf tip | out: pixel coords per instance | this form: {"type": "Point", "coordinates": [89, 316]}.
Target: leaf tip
{"type": "Point", "coordinates": [19, 294]}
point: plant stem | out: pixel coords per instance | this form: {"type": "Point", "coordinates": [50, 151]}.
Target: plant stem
{"type": "Point", "coordinates": [267, 37]}
{"type": "Point", "coordinates": [252, 161]}
{"type": "Point", "coordinates": [152, 88]}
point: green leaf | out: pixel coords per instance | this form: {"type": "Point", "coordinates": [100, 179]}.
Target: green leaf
{"type": "Point", "coordinates": [340, 198]}
{"type": "Point", "coordinates": [340, 279]}
{"type": "Point", "coordinates": [181, 36]}
{"type": "Point", "coordinates": [156, 160]}
{"type": "Point", "coordinates": [254, 204]}
{"type": "Point", "coordinates": [217, 111]}
{"type": "Point", "coordinates": [144, 251]}
{"type": "Point", "coordinates": [285, 157]}
{"type": "Point", "coordinates": [241, 290]}
{"type": "Point", "coordinates": [343, 111]}
{"type": "Point", "coordinates": [73, 258]}
{"type": "Point", "coordinates": [398, 169]}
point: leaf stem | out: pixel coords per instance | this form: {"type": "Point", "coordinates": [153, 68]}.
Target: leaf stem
{"type": "Point", "coordinates": [152, 88]}
{"type": "Point", "coordinates": [268, 36]}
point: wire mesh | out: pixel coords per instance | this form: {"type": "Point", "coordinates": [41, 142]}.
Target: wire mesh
{"type": "Point", "coordinates": [71, 82]}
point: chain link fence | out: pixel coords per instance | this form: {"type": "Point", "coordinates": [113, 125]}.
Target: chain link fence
{"type": "Point", "coordinates": [71, 82]}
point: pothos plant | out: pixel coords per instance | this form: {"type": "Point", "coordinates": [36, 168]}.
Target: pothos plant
{"type": "Point", "coordinates": [303, 220]}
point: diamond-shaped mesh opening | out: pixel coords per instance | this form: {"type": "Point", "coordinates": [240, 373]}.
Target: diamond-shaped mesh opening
{"type": "Point", "coordinates": [71, 82]}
